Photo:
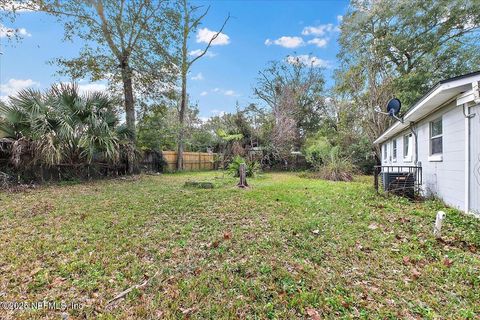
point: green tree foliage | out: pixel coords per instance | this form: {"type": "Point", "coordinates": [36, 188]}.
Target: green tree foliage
{"type": "Point", "coordinates": [158, 128]}
{"type": "Point", "coordinates": [252, 167]}
{"type": "Point", "coordinates": [123, 42]}
{"type": "Point", "coordinates": [342, 127]}
{"type": "Point", "coordinates": [419, 42]}
{"type": "Point", "coordinates": [401, 48]}
{"type": "Point", "coordinates": [328, 160]}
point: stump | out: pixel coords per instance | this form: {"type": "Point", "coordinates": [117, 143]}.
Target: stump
{"type": "Point", "coordinates": [242, 172]}
{"type": "Point", "coordinates": [199, 184]}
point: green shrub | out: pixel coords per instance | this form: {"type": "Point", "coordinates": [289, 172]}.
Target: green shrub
{"type": "Point", "coordinates": [341, 170]}
{"type": "Point", "coordinates": [318, 152]}
{"type": "Point", "coordinates": [328, 162]}
{"type": "Point", "coordinates": [252, 167]}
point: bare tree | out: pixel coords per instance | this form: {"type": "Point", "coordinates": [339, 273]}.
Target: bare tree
{"type": "Point", "coordinates": [294, 92]}
{"type": "Point", "coordinates": [189, 24]}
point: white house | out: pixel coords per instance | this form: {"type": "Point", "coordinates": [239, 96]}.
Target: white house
{"type": "Point", "coordinates": [441, 134]}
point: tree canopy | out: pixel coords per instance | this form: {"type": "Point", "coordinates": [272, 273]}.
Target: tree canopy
{"type": "Point", "coordinates": [123, 42]}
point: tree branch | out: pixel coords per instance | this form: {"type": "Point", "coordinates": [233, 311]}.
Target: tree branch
{"type": "Point", "coordinates": [210, 42]}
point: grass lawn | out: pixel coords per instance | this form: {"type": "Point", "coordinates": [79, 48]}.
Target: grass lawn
{"type": "Point", "coordinates": [286, 248]}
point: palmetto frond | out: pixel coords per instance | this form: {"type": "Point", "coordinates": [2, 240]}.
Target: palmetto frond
{"type": "Point", "coordinates": [124, 133]}
{"type": "Point", "coordinates": [62, 125]}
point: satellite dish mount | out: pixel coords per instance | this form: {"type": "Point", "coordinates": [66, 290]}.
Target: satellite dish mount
{"type": "Point", "coordinates": [393, 109]}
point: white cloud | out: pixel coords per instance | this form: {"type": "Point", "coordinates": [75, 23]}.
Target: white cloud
{"type": "Point", "coordinates": [320, 30]}
{"type": "Point", "coordinates": [10, 32]}
{"type": "Point", "coordinates": [92, 86]}
{"type": "Point", "coordinates": [23, 32]}
{"type": "Point", "coordinates": [339, 18]}
{"type": "Point", "coordinates": [308, 60]}
{"type": "Point", "coordinates": [205, 35]}
{"type": "Point", "coordinates": [319, 42]}
{"type": "Point", "coordinates": [203, 93]}
{"type": "Point", "coordinates": [229, 93]}
{"type": "Point", "coordinates": [286, 42]}
{"type": "Point", "coordinates": [217, 112]}
{"type": "Point", "coordinates": [14, 85]}
{"type": "Point", "coordinates": [197, 52]}
{"type": "Point", "coordinates": [199, 76]}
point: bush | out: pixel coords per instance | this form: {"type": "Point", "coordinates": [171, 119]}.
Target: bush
{"type": "Point", "coordinates": [341, 170]}
{"type": "Point", "coordinates": [252, 167]}
{"type": "Point", "coordinates": [318, 152]}
{"type": "Point", "coordinates": [328, 162]}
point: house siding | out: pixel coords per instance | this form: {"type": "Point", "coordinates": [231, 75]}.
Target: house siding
{"type": "Point", "coordinates": [444, 179]}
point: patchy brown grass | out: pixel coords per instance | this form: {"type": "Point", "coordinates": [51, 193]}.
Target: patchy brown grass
{"type": "Point", "coordinates": [285, 248]}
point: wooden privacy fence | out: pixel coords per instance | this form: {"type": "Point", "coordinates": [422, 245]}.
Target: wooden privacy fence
{"type": "Point", "coordinates": [191, 160]}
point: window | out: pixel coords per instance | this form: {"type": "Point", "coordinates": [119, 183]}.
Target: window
{"type": "Point", "coordinates": [385, 151]}
{"type": "Point", "coordinates": [436, 137]}
{"type": "Point", "coordinates": [407, 147]}
{"type": "Point", "coordinates": [394, 149]}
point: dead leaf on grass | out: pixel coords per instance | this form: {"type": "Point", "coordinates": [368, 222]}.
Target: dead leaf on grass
{"type": "Point", "coordinates": [188, 311]}
{"type": "Point", "coordinates": [406, 260]}
{"type": "Point", "coordinates": [358, 246]}
{"type": "Point", "coordinates": [227, 235]}
{"type": "Point", "coordinates": [390, 302]}
{"type": "Point", "coordinates": [345, 304]}
{"type": "Point", "coordinates": [415, 274]}
{"type": "Point", "coordinates": [373, 226]}
{"type": "Point", "coordinates": [215, 244]}
{"type": "Point", "coordinates": [447, 262]}
{"type": "Point", "coordinates": [313, 314]}
{"type": "Point", "coordinates": [35, 271]}
{"type": "Point", "coordinates": [197, 271]}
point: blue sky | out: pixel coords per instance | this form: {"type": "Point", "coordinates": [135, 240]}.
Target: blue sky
{"type": "Point", "coordinates": [258, 32]}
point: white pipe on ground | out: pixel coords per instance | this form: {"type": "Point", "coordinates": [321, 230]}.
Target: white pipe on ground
{"type": "Point", "coordinates": [437, 229]}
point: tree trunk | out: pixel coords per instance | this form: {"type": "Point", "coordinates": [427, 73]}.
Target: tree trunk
{"type": "Point", "coordinates": [129, 107]}
{"type": "Point", "coordinates": [183, 101]}
{"type": "Point", "coordinates": [181, 118]}
{"type": "Point", "coordinates": [129, 101]}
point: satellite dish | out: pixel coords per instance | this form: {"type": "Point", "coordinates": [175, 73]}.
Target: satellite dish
{"type": "Point", "coordinates": [393, 107]}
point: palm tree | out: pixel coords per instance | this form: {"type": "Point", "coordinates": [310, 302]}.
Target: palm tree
{"type": "Point", "coordinates": [62, 125]}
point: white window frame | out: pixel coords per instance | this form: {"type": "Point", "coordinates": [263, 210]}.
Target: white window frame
{"type": "Point", "coordinates": [385, 152]}
{"type": "Point", "coordinates": [435, 156]}
{"type": "Point", "coordinates": [408, 145]}
{"type": "Point", "coordinates": [394, 150]}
